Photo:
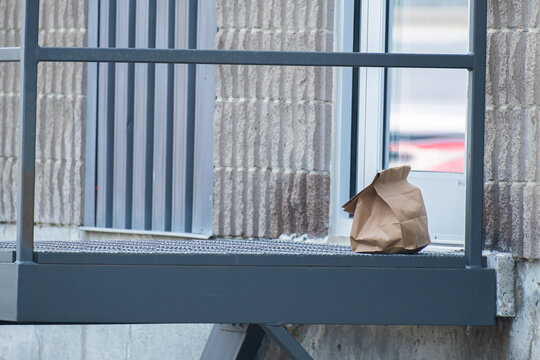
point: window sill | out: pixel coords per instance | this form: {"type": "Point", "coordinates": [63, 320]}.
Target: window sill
{"type": "Point", "coordinates": [95, 233]}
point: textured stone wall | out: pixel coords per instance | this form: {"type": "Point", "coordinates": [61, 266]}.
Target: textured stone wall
{"type": "Point", "coordinates": [512, 159]}
{"type": "Point", "coordinates": [273, 124]}
{"type": "Point", "coordinates": [60, 121]}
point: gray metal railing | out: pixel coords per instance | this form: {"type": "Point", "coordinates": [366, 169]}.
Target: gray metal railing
{"type": "Point", "coordinates": [30, 54]}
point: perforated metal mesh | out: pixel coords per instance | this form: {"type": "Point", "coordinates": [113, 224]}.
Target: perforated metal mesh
{"type": "Point", "coordinates": [219, 246]}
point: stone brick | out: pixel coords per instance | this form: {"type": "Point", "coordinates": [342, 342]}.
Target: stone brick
{"type": "Point", "coordinates": [60, 127]}
{"type": "Point", "coordinates": [268, 203]}
{"type": "Point", "coordinates": [9, 78]}
{"type": "Point", "coordinates": [59, 190]}
{"type": "Point", "coordinates": [504, 265]}
{"type": "Point", "coordinates": [10, 17]}
{"type": "Point", "coordinates": [8, 184]}
{"type": "Point", "coordinates": [9, 124]}
{"type": "Point", "coordinates": [276, 134]}
{"type": "Point", "coordinates": [497, 69]}
{"type": "Point", "coordinates": [62, 78]}
{"type": "Point", "coordinates": [10, 38]}
{"type": "Point", "coordinates": [512, 152]}
{"type": "Point", "coordinates": [513, 14]}
{"type": "Point", "coordinates": [513, 68]}
{"type": "Point", "coordinates": [511, 213]}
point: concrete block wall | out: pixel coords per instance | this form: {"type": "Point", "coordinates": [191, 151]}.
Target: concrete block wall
{"type": "Point", "coordinates": [272, 126]}
{"type": "Point", "coordinates": [10, 35]}
{"type": "Point", "coordinates": [103, 342]}
{"type": "Point", "coordinates": [60, 120]}
{"type": "Point", "coordinates": [512, 158]}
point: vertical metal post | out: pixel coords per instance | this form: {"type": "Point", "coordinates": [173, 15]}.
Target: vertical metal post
{"type": "Point", "coordinates": [150, 108]}
{"type": "Point", "coordinates": [475, 135]}
{"type": "Point", "coordinates": [354, 101]}
{"type": "Point", "coordinates": [191, 105]}
{"type": "Point", "coordinates": [110, 120]}
{"type": "Point", "coordinates": [106, 115]}
{"type": "Point", "coordinates": [171, 23]}
{"type": "Point", "coordinates": [27, 138]}
{"type": "Point", "coordinates": [130, 117]}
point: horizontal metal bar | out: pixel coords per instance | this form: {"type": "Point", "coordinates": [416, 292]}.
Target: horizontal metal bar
{"type": "Point", "coordinates": [8, 54]}
{"type": "Point", "coordinates": [235, 294]}
{"type": "Point", "coordinates": [474, 166]}
{"type": "Point", "coordinates": [367, 261]}
{"type": "Point", "coordinates": [236, 57]}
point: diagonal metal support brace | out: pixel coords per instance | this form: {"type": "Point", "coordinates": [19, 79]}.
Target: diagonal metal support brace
{"type": "Point", "coordinates": [287, 342]}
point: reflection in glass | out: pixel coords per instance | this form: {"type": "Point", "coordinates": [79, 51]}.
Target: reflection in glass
{"type": "Point", "coordinates": [429, 26]}
{"type": "Point", "coordinates": [427, 108]}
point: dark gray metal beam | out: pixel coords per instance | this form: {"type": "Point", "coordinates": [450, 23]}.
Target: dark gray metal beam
{"type": "Point", "coordinates": [8, 54]}
{"type": "Point", "coordinates": [190, 119]}
{"type": "Point", "coordinates": [27, 134]}
{"type": "Point", "coordinates": [475, 136]}
{"type": "Point", "coordinates": [285, 340]}
{"type": "Point", "coordinates": [237, 57]}
{"type": "Point", "coordinates": [366, 260]}
{"type": "Point", "coordinates": [253, 294]}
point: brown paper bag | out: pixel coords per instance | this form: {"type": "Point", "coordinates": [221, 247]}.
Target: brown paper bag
{"type": "Point", "coordinates": [389, 215]}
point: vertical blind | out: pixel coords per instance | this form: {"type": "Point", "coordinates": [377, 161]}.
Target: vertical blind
{"type": "Point", "coordinates": [151, 121]}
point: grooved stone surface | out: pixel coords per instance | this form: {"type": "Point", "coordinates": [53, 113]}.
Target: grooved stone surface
{"type": "Point", "coordinates": [60, 121]}
{"type": "Point", "coordinates": [512, 149]}
{"type": "Point", "coordinates": [272, 127]}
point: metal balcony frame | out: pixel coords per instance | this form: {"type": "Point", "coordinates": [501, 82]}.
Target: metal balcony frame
{"type": "Point", "coordinates": [72, 288]}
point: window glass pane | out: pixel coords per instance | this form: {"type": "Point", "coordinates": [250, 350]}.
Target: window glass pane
{"type": "Point", "coordinates": [427, 111]}
{"type": "Point", "coordinates": [427, 108]}
{"type": "Point", "coordinates": [428, 26]}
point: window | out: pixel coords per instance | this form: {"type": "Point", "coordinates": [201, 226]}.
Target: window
{"type": "Point", "coordinates": [150, 125]}
{"type": "Point", "coordinates": [403, 116]}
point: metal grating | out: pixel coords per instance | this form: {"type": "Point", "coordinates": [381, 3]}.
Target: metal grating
{"type": "Point", "coordinates": [221, 246]}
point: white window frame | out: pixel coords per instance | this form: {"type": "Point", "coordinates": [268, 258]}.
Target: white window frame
{"type": "Point", "coordinates": [371, 133]}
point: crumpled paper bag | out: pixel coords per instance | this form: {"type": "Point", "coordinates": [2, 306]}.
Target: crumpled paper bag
{"type": "Point", "coordinates": [389, 215]}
